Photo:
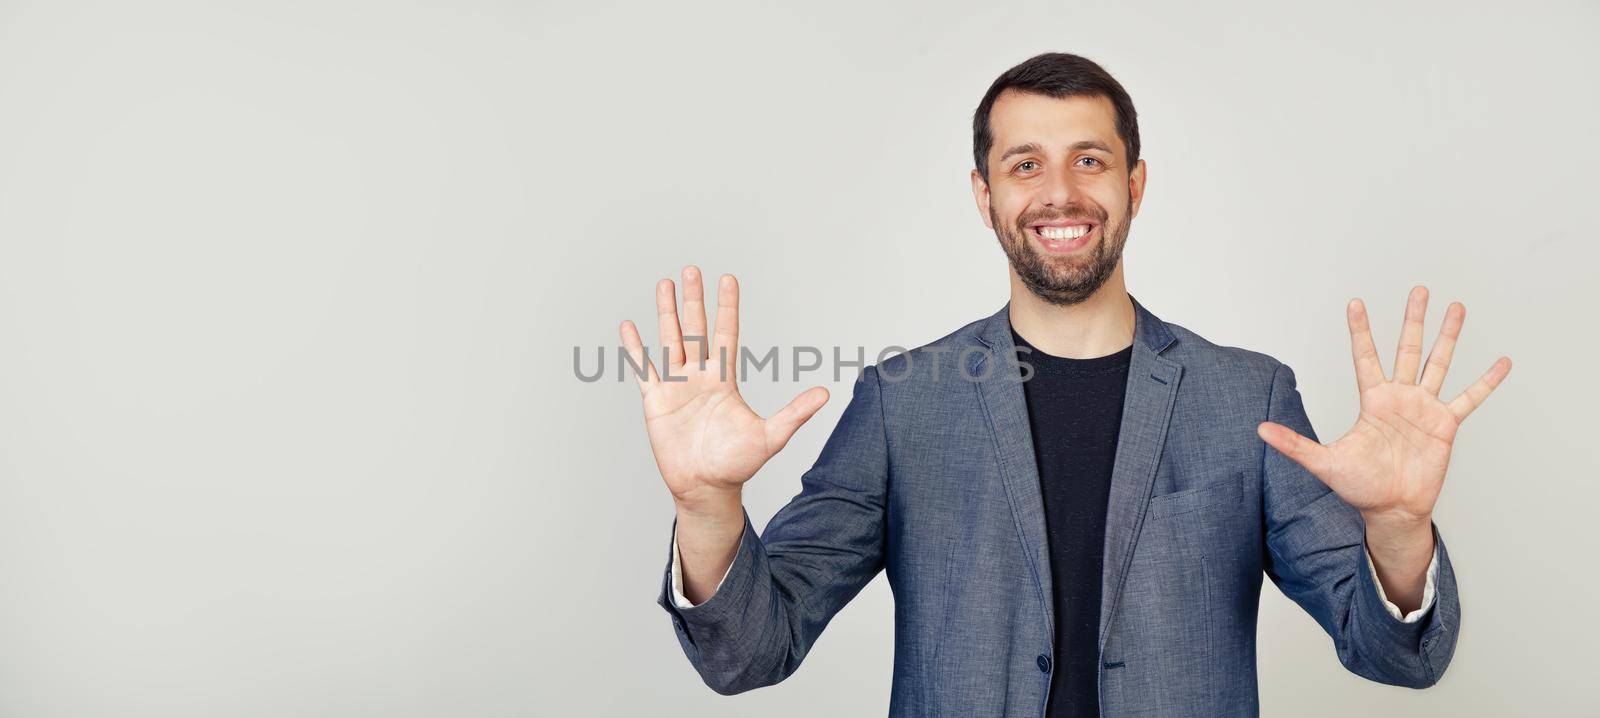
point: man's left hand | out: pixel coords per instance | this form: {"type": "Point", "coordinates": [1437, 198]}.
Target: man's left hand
{"type": "Point", "coordinates": [1391, 464]}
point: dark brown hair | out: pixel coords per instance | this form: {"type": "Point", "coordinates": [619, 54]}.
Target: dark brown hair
{"type": "Point", "coordinates": [1057, 75]}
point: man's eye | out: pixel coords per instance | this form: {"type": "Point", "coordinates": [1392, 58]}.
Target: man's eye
{"type": "Point", "coordinates": [1091, 159]}
{"type": "Point", "coordinates": [1024, 164]}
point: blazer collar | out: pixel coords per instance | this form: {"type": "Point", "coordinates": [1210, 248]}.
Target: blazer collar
{"type": "Point", "coordinates": [995, 331]}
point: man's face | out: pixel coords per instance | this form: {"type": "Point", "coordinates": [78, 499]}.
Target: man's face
{"type": "Point", "coordinates": [1060, 196]}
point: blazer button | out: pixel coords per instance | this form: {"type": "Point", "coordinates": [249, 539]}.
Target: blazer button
{"type": "Point", "coordinates": [1044, 663]}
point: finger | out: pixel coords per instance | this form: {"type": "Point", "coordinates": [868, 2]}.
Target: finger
{"type": "Point", "coordinates": [694, 314]}
{"type": "Point", "coordinates": [667, 319]}
{"type": "Point", "coordinates": [641, 369]}
{"type": "Point", "coordinates": [783, 424]}
{"type": "Point", "coordinates": [1474, 396]}
{"type": "Point", "coordinates": [1409, 354]}
{"type": "Point", "coordinates": [725, 345]}
{"type": "Point", "coordinates": [1315, 457]}
{"type": "Point", "coordinates": [1369, 370]}
{"type": "Point", "coordinates": [1443, 346]}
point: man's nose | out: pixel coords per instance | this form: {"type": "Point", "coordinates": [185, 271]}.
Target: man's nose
{"type": "Point", "coordinates": [1060, 188]}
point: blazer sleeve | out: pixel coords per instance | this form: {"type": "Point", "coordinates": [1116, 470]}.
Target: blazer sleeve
{"type": "Point", "coordinates": [814, 556]}
{"type": "Point", "coordinates": [1316, 553]}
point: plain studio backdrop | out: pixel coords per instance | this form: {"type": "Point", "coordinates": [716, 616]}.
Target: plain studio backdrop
{"type": "Point", "coordinates": [289, 296]}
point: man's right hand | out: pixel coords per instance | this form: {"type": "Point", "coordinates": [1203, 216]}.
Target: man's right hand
{"type": "Point", "coordinates": [706, 439]}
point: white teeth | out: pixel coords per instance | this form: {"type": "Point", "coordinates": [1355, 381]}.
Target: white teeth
{"type": "Point", "coordinates": [1072, 232]}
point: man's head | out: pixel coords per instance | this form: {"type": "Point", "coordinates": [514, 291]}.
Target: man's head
{"type": "Point", "coordinates": [1058, 175]}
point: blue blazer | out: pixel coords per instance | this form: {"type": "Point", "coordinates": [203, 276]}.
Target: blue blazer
{"type": "Point", "coordinates": [930, 476]}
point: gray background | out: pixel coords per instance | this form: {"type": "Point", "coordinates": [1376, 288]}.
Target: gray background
{"type": "Point", "coordinates": [288, 296]}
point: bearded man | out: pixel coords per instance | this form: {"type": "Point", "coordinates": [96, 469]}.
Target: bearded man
{"type": "Point", "coordinates": [1077, 522]}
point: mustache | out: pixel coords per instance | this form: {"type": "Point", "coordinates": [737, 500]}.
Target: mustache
{"type": "Point", "coordinates": [1028, 220]}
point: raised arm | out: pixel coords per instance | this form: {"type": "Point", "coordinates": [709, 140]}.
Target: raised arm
{"type": "Point", "coordinates": [780, 589]}
{"type": "Point", "coordinates": [1371, 493]}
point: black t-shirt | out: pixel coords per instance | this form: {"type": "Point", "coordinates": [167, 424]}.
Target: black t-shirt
{"type": "Point", "coordinates": [1075, 413]}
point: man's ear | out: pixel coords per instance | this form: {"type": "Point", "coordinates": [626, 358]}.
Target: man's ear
{"type": "Point", "coordinates": [980, 194]}
{"type": "Point", "coordinates": [1135, 189]}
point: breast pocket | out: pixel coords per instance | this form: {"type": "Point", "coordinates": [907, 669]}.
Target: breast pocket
{"type": "Point", "coordinates": [1225, 491]}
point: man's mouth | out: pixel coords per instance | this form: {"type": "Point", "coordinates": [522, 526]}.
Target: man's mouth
{"type": "Point", "coordinates": [1063, 236]}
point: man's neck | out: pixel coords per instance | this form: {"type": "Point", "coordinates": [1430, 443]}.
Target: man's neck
{"type": "Point", "coordinates": [1100, 325]}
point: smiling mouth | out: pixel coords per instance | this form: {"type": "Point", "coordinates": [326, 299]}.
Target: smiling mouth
{"type": "Point", "coordinates": [1063, 238]}
{"type": "Point", "coordinates": [1064, 231]}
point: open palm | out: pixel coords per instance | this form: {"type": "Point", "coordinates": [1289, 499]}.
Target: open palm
{"type": "Point", "coordinates": [705, 438]}
{"type": "Point", "coordinates": [1393, 461]}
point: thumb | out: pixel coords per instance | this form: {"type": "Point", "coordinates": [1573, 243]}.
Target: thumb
{"type": "Point", "coordinates": [1305, 452]}
{"type": "Point", "coordinates": [783, 424]}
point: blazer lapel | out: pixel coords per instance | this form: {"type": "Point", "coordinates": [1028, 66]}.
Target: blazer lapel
{"type": "Point", "coordinates": [1001, 395]}
{"type": "Point", "coordinates": [1146, 412]}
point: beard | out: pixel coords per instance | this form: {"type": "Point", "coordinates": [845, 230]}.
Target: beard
{"type": "Point", "coordinates": [1062, 279]}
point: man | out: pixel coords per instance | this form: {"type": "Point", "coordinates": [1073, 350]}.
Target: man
{"type": "Point", "coordinates": [1090, 541]}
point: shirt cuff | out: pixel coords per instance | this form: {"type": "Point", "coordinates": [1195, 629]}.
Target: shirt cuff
{"type": "Point", "coordinates": [682, 601]}
{"type": "Point", "coordinates": [1427, 590]}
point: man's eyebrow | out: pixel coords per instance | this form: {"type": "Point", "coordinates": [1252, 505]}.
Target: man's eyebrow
{"type": "Point", "coordinates": [1091, 145]}
{"type": "Point", "coordinates": [1074, 147]}
{"type": "Point", "coordinates": [1019, 149]}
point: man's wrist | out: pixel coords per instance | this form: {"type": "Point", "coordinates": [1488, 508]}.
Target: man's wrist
{"type": "Point", "coordinates": [1399, 538]}
{"type": "Point", "coordinates": [708, 506]}
{"type": "Point", "coordinates": [1401, 549]}
{"type": "Point", "coordinates": [707, 537]}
